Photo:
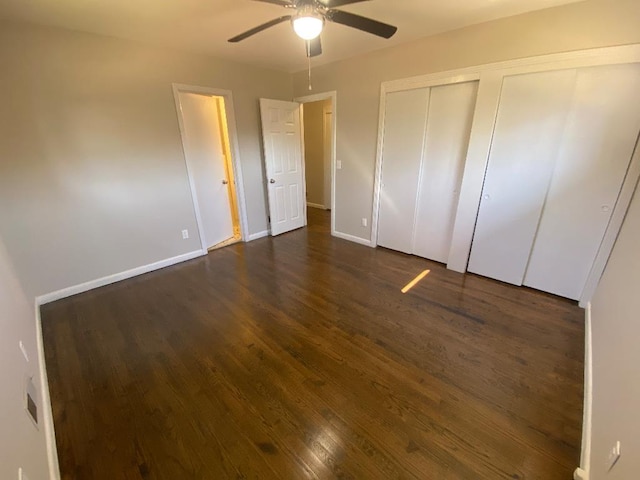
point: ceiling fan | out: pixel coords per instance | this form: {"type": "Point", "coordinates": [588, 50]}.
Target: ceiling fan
{"type": "Point", "coordinates": [308, 18]}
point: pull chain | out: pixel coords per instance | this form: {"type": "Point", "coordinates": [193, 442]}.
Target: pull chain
{"type": "Point", "coordinates": [309, 61]}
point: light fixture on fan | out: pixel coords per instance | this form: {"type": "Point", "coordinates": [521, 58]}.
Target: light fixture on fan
{"type": "Point", "coordinates": [308, 25]}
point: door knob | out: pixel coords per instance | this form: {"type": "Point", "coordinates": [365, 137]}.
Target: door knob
{"type": "Point", "coordinates": [225, 182]}
{"type": "Point", "coordinates": [272, 181]}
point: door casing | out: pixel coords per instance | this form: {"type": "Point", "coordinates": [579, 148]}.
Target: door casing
{"type": "Point", "coordinates": [233, 146]}
{"type": "Point", "coordinates": [333, 96]}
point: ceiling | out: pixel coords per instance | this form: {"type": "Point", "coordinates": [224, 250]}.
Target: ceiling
{"type": "Point", "coordinates": [205, 25]}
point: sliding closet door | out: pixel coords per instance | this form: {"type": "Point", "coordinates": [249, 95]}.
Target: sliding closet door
{"type": "Point", "coordinates": [446, 140]}
{"type": "Point", "coordinates": [597, 145]}
{"type": "Point", "coordinates": [404, 124]}
{"type": "Point", "coordinates": [527, 136]}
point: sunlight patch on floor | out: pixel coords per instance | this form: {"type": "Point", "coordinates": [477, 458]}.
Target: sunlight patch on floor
{"type": "Point", "coordinates": [413, 282]}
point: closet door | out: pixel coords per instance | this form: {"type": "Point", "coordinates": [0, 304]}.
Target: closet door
{"type": "Point", "coordinates": [527, 136]}
{"type": "Point", "coordinates": [404, 124]}
{"type": "Point", "coordinates": [446, 140]}
{"type": "Point", "coordinates": [597, 145]}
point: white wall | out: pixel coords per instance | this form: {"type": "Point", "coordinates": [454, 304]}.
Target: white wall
{"type": "Point", "coordinates": [615, 318]}
{"type": "Point", "coordinates": [92, 179]}
{"type": "Point", "coordinates": [21, 444]}
{"type": "Point", "coordinates": [582, 25]}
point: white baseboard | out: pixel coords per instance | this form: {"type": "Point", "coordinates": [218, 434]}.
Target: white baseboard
{"type": "Point", "coordinates": [316, 205]}
{"type": "Point", "coordinates": [47, 413]}
{"type": "Point", "coordinates": [255, 236]}
{"type": "Point", "coordinates": [582, 473]}
{"type": "Point", "coordinates": [45, 402]}
{"type": "Point", "coordinates": [352, 238]}
{"type": "Point", "coordinates": [116, 277]}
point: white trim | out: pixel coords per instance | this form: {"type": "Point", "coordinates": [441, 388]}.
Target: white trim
{"type": "Point", "coordinates": [333, 96]}
{"type": "Point", "coordinates": [434, 80]}
{"type": "Point", "coordinates": [327, 154]}
{"type": "Point", "coordinates": [594, 56]}
{"type": "Point", "coordinates": [47, 413]}
{"type": "Point", "coordinates": [45, 401]}
{"type": "Point", "coordinates": [116, 277]}
{"type": "Point", "coordinates": [490, 77]}
{"type": "Point", "coordinates": [234, 147]}
{"type": "Point", "coordinates": [316, 205]}
{"type": "Point", "coordinates": [256, 236]}
{"type": "Point", "coordinates": [353, 238]}
{"type": "Point", "coordinates": [303, 162]}
{"type": "Point", "coordinates": [613, 228]}
{"type": "Point", "coordinates": [582, 473]}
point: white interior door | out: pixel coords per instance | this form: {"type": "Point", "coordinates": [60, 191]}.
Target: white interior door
{"type": "Point", "coordinates": [282, 139]}
{"type": "Point", "coordinates": [205, 158]}
{"type": "Point", "coordinates": [528, 132]}
{"type": "Point", "coordinates": [596, 149]}
{"type": "Point", "coordinates": [404, 126]}
{"type": "Point", "coordinates": [446, 140]}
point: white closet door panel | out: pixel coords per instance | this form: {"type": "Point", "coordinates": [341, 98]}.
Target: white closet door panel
{"type": "Point", "coordinates": [447, 138]}
{"type": "Point", "coordinates": [598, 142]}
{"type": "Point", "coordinates": [529, 127]}
{"type": "Point", "coordinates": [405, 116]}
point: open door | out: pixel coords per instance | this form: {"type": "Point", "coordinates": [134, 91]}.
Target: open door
{"type": "Point", "coordinates": [282, 137]}
{"type": "Point", "coordinates": [205, 142]}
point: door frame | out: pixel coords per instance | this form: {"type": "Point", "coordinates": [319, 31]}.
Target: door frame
{"type": "Point", "coordinates": [490, 77]}
{"type": "Point", "coordinates": [233, 146]}
{"type": "Point", "coordinates": [333, 96]}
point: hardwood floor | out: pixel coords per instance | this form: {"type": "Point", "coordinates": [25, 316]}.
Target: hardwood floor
{"type": "Point", "coordinates": [299, 357]}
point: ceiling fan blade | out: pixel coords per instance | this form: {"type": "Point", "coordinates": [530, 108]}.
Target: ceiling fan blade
{"type": "Point", "coordinates": [259, 28]}
{"type": "Point", "coordinates": [282, 3]}
{"type": "Point", "coordinates": [340, 3]}
{"type": "Point", "coordinates": [361, 23]}
{"type": "Point", "coordinates": [315, 47]}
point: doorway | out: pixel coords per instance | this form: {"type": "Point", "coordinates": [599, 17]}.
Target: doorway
{"type": "Point", "coordinates": [210, 148]}
{"type": "Point", "coordinates": [319, 134]}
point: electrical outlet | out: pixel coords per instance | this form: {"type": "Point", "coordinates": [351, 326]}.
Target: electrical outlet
{"type": "Point", "coordinates": [22, 475]}
{"type": "Point", "coordinates": [185, 234]}
{"type": "Point", "coordinates": [614, 455]}
{"type": "Point", "coordinates": [339, 164]}
{"type": "Point", "coordinates": [31, 400]}
{"type": "Point", "coordinates": [364, 222]}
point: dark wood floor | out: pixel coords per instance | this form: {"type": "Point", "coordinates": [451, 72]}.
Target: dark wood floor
{"type": "Point", "coordinates": [299, 357]}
